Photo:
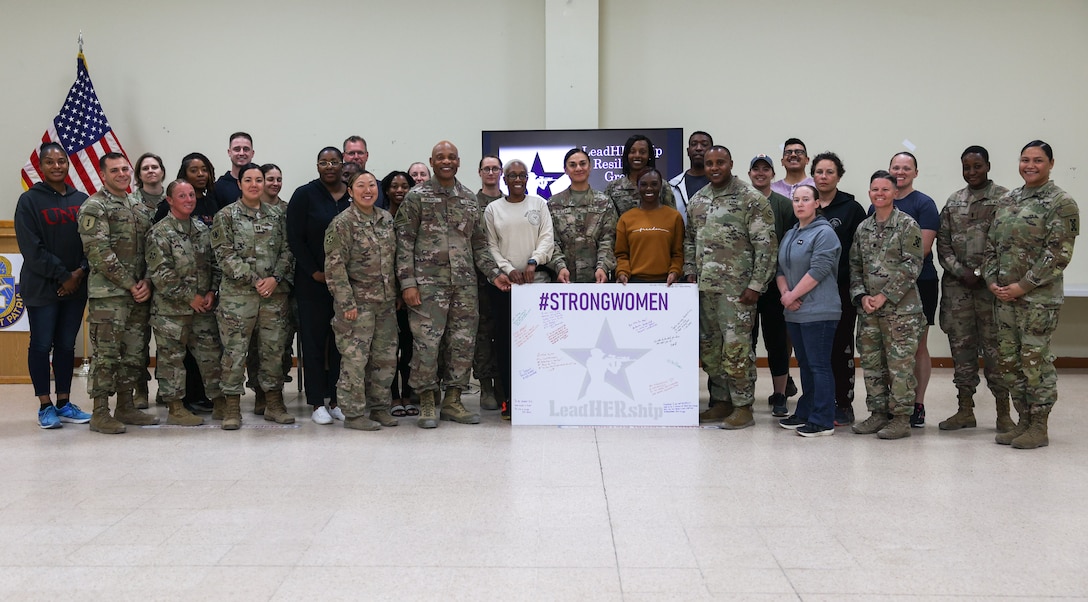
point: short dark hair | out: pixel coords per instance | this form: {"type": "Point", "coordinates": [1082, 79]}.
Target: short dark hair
{"type": "Point", "coordinates": [487, 156]}
{"type": "Point", "coordinates": [975, 149]}
{"type": "Point", "coordinates": [1040, 144]}
{"type": "Point", "coordinates": [249, 167]}
{"type": "Point", "coordinates": [51, 145]}
{"type": "Point", "coordinates": [387, 181]}
{"type": "Point", "coordinates": [140, 161]}
{"type": "Point", "coordinates": [827, 156]}
{"type": "Point", "coordinates": [790, 141]}
{"type": "Point", "coordinates": [358, 174]}
{"type": "Point", "coordinates": [700, 133]}
{"type": "Point", "coordinates": [883, 174]}
{"type": "Point", "coordinates": [625, 164]}
{"type": "Point", "coordinates": [267, 167]}
{"type": "Point", "coordinates": [173, 185]}
{"type": "Point", "coordinates": [338, 152]}
{"type": "Point", "coordinates": [908, 154]}
{"type": "Point", "coordinates": [718, 147]}
{"type": "Point", "coordinates": [240, 135]}
{"type": "Point", "coordinates": [571, 153]}
{"type": "Point", "coordinates": [650, 171]}
{"type": "Point", "coordinates": [108, 157]}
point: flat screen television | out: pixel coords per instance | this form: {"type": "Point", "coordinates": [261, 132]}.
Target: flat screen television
{"type": "Point", "coordinates": [543, 150]}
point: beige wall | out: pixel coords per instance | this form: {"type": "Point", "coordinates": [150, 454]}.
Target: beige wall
{"type": "Point", "coordinates": [854, 76]}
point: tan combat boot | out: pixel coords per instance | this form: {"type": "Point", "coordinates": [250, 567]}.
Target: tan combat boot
{"type": "Point", "coordinates": [275, 410]}
{"type": "Point", "coordinates": [897, 428]}
{"type": "Point", "coordinates": [1004, 419]}
{"type": "Point", "coordinates": [1036, 435]}
{"type": "Point", "coordinates": [454, 410]}
{"type": "Point", "coordinates": [1020, 428]}
{"type": "Point", "coordinates": [139, 400]}
{"type": "Point", "coordinates": [232, 413]}
{"type": "Point", "coordinates": [127, 413]}
{"type": "Point", "coordinates": [873, 423]}
{"type": "Point", "coordinates": [180, 416]}
{"type": "Point", "coordinates": [260, 401]}
{"type": "Point", "coordinates": [963, 418]}
{"type": "Point", "coordinates": [740, 418]}
{"type": "Point", "coordinates": [428, 418]}
{"type": "Point", "coordinates": [361, 423]}
{"type": "Point", "coordinates": [717, 412]}
{"type": "Point", "coordinates": [219, 408]}
{"type": "Point", "coordinates": [383, 417]}
{"type": "Point", "coordinates": [101, 421]}
{"type": "Point", "coordinates": [488, 401]}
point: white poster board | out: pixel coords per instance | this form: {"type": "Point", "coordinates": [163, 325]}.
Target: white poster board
{"type": "Point", "coordinates": [12, 310]}
{"type": "Point", "coordinates": [605, 354]}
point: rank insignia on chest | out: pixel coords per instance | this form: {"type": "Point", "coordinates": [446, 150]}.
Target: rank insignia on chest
{"type": "Point", "coordinates": [261, 228]}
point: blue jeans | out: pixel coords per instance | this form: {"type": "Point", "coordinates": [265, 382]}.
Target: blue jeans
{"type": "Point", "coordinates": [54, 328]}
{"type": "Point", "coordinates": [812, 343]}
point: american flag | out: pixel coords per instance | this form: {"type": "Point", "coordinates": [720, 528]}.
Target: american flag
{"type": "Point", "coordinates": [82, 129]}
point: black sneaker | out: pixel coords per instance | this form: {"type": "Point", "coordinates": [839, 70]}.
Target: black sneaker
{"type": "Point", "coordinates": [791, 387]}
{"type": "Point", "coordinates": [792, 423]}
{"type": "Point", "coordinates": [778, 405]}
{"type": "Point", "coordinates": [815, 430]}
{"type": "Point", "coordinates": [918, 418]}
{"type": "Point", "coordinates": [844, 416]}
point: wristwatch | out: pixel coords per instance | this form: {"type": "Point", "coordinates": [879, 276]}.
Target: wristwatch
{"type": "Point", "coordinates": [531, 262]}
{"type": "Point", "coordinates": [978, 272]}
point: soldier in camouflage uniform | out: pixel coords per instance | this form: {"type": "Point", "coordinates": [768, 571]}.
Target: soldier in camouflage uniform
{"type": "Point", "coordinates": [185, 278]}
{"type": "Point", "coordinates": [113, 226]}
{"type": "Point", "coordinates": [1028, 248]}
{"type": "Point", "coordinates": [885, 261]}
{"type": "Point", "coordinates": [149, 172]}
{"type": "Point", "coordinates": [360, 250]}
{"type": "Point", "coordinates": [485, 366]}
{"type": "Point", "coordinates": [250, 243]}
{"type": "Point", "coordinates": [584, 222]}
{"type": "Point", "coordinates": [440, 244]}
{"type": "Point", "coordinates": [731, 250]}
{"type": "Point", "coordinates": [967, 306]}
{"type": "Point", "coordinates": [639, 154]}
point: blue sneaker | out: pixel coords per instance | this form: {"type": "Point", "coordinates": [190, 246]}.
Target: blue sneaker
{"type": "Point", "coordinates": [71, 413]}
{"type": "Point", "coordinates": [47, 418]}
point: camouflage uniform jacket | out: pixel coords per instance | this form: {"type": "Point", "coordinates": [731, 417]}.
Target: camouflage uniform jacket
{"type": "Point", "coordinates": [359, 253]}
{"type": "Point", "coordinates": [180, 264]}
{"type": "Point", "coordinates": [624, 195]}
{"type": "Point", "coordinates": [585, 232]}
{"type": "Point", "coordinates": [251, 244]}
{"type": "Point", "coordinates": [440, 237]}
{"type": "Point", "coordinates": [113, 230]}
{"type": "Point", "coordinates": [965, 219]}
{"type": "Point", "coordinates": [887, 258]}
{"type": "Point", "coordinates": [152, 202]}
{"type": "Point", "coordinates": [1031, 242]}
{"type": "Point", "coordinates": [729, 243]}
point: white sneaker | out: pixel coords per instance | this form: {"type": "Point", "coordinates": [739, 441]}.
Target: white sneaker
{"type": "Point", "coordinates": [337, 413]}
{"type": "Point", "coordinates": [321, 416]}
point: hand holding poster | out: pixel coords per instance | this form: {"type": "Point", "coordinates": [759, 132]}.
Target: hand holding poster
{"type": "Point", "coordinates": [605, 354]}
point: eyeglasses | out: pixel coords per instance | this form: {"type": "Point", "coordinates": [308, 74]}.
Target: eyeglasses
{"type": "Point", "coordinates": [326, 164]}
{"type": "Point", "coordinates": [490, 169]}
{"type": "Point", "coordinates": [794, 151]}
{"type": "Point", "coordinates": [517, 176]}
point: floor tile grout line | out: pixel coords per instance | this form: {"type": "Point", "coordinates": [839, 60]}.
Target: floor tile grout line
{"type": "Point", "coordinates": [608, 510]}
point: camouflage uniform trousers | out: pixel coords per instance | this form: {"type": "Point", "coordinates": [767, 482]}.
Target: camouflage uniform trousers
{"type": "Point", "coordinates": [887, 343]}
{"type": "Point", "coordinates": [174, 335]}
{"type": "Point", "coordinates": [484, 364]}
{"type": "Point", "coordinates": [118, 330]}
{"type": "Point", "coordinates": [253, 361]}
{"type": "Point", "coordinates": [1025, 363]}
{"type": "Point", "coordinates": [445, 322]}
{"type": "Point", "coordinates": [725, 347]}
{"type": "Point", "coordinates": [967, 316]}
{"type": "Point", "coordinates": [241, 318]}
{"type": "Point", "coordinates": [368, 358]}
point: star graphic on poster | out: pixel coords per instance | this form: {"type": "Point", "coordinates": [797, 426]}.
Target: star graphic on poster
{"type": "Point", "coordinates": [540, 181]}
{"type": "Point", "coordinates": [606, 365]}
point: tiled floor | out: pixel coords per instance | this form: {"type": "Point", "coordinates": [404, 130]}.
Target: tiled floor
{"type": "Point", "coordinates": [491, 512]}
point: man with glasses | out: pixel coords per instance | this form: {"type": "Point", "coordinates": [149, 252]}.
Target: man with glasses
{"type": "Point", "coordinates": [691, 181]}
{"type": "Point", "coordinates": [240, 152]}
{"type": "Point", "coordinates": [484, 365]}
{"type": "Point", "coordinates": [355, 158]}
{"type": "Point", "coordinates": [794, 159]}
{"type": "Point", "coordinates": [440, 243]}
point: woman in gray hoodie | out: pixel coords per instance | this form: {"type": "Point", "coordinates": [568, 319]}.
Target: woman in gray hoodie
{"type": "Point", "coordinates": [808, 260]}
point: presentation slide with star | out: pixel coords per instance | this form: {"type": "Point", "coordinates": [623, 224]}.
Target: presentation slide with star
{"type": "Point", "coordinates": [605, 355]}
{"type": "Point", "coordinates": [542, 152]}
